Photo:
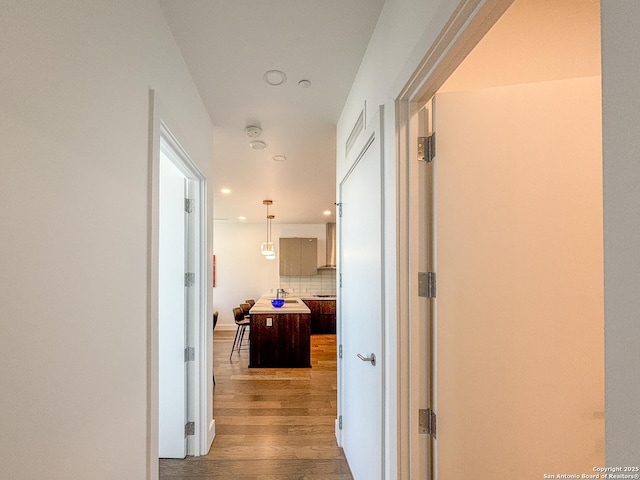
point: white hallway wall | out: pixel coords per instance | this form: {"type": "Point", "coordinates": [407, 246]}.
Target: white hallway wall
{"type": "Point", "coordinates": [405, 31]}
{"type": "Point", "coordinates": [242, 272]}
{"type": "Point", "coordinates": [74, 123]}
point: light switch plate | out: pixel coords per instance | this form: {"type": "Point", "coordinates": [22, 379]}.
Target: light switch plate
{"type": "Point", "coordinates": [269, 322]}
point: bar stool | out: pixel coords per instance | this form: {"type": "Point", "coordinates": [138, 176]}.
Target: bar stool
{"type": "Point", "coordinates": [245, 308]}
{"type": "Point", "coordinates": [245, 311]}
{"type": "Point", "coordinates": [242, 322]}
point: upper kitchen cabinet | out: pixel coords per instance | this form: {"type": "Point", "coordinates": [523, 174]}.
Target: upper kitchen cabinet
{"type": "Point", "coordinates": [298, 257]}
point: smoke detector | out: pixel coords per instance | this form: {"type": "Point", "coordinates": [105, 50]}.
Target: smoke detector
{"type": "Point", "coordinates": [253, 131]}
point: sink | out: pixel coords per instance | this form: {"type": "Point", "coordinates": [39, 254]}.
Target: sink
{"type": "Point", "coordinates": [291, 301]}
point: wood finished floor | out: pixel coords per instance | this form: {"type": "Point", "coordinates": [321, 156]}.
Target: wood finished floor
{"type": "Point", "coordinates": [271, 424]}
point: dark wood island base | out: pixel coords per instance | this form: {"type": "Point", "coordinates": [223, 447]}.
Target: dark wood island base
{"type": "Point", "coordinates": [284, 344]}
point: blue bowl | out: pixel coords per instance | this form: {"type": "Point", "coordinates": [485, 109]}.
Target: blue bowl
{"type": "Point", "coordinates": [277, 302]}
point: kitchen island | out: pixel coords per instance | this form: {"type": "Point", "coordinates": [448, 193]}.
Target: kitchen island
{"type": "Point", "coordinates": [280, 337]}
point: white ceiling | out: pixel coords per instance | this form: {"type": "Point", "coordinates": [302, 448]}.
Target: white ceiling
{"type": "Point", "coordinates": [228, 45]}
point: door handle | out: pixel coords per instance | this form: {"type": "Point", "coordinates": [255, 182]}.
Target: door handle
{"type": "Point", "coordinates": [371, 358]}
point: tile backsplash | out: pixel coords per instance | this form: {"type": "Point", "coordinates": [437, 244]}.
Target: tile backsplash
{"type": "Point", "coordinates": [324, 283]}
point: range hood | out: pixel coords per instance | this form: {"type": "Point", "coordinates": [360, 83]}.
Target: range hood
{"type": "Point", "coordinates": [331, 247]}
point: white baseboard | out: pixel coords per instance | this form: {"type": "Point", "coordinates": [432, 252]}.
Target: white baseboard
{"type": "Point", "coordinates": [211, 435]}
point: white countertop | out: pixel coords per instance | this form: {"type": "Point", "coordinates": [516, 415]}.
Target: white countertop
{"type": "Point", "coordinates": [291, 305]}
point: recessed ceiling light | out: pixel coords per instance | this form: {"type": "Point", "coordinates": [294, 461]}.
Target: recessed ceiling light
{"type": "Point", "coordinates": [242, 218]}
{"type": "Point", "coordinates": [257, 145]}
{"type": "Point", "coordinates": [279, 158]}
{"type": "Point", "coordinates": [327, 212]}
{"type": "Point", "coordinates": [304, 83]}
{"type": "Point", "coordinates": [275, 77]}
{"type": "Point", "coordinates": [225, 190]}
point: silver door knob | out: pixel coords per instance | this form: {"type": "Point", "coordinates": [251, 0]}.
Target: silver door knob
{"type": "Point", "coordinates": [371, 358]}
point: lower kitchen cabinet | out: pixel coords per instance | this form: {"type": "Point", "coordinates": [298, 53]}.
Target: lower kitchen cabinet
{"type": "Point", "coordinates": [323, 315]}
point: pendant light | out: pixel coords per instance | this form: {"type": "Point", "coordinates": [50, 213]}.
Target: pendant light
{"type": "Point", "coordinates": [267, 248]}
{"type": "Point", "coordinates": [271, 256]}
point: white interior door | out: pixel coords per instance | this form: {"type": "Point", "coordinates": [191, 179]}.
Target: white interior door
{"type": "Point", "coordinates": [361, 297]}
{"type": "Point", "coordinates": [520, 285]}
{"type": "Point", "coordinates": [172, 312]}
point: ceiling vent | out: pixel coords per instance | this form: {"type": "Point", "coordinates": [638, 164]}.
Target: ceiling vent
{"type": "Point", "coordinates": [357, 129]}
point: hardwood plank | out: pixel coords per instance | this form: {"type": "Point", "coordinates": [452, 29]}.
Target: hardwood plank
{"type": "Point", "coordinates": [282, 439]}
{"type": "Point", "coordinates": [280, 411]}
{"type": "Point", "coordinates": [274, 420]}
{"type": "Point", "coordinates": [248, 403]}
{"type": "Point", "coordinates": [268, 452]}
{"type": "Point", "coordinates": [204, 466]}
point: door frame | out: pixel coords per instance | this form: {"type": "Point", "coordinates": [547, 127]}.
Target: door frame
{"type": "Point", "coordinates": [465, 27]}
{"type": "Point", "coordinates": [198, 382]}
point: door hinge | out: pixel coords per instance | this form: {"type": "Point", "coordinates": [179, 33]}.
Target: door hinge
{"type": "Point", "coordinates": [189, 279]}
{"type": "Point", "coordinates": [189, 429]}
{"type": "Point", "coordinates": [189, 354]}
{"type": "Point", "coordinates": [427, 148]}
{"type": "Point", "coordinates": [339, 205]}
{"type": "Point", "coordinates": [340, 280]}
{"type": "Point", "coordinates": [340, 422]}
{"type": "Point", "coordinates": [189, 205]}
{"type": "Point", "coordinates": [427, 422]}
{"type": "Point", "coordinates": [340, 351]}
{"type": "Point", "coordinates": [427, 284]}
